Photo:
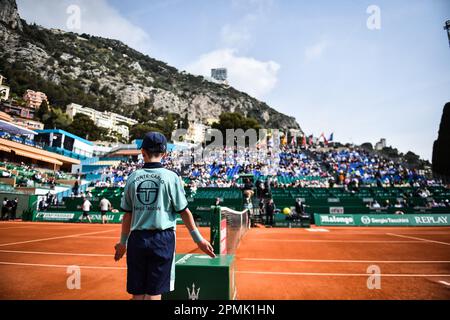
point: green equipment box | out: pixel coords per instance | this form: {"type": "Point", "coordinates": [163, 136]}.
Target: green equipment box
{"type": "Point", "coordinates": [199, 277]}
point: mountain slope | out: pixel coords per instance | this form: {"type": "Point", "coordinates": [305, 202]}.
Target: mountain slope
{"type": "Point", "coordinates": [107, 75]}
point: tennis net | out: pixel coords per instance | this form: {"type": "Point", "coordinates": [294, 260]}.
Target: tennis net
{"type": "Point", "coordinates": [237, 224]}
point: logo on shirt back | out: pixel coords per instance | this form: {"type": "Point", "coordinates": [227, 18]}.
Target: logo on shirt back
{"type": "Point", "coordinates": [147, 192]}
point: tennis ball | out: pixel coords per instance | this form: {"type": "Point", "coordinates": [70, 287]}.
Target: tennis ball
{"type": "Point", "coordinates": [286, 211]}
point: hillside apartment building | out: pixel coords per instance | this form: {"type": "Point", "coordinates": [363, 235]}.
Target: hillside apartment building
{"type": "Point", "coordinates": [107, 120]}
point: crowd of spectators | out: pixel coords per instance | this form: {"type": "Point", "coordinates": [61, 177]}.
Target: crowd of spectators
{"type": "Point", "coordinates": [117, 175]}
{"type": "Point", "coordinates": [291, 167]}
{"type": "Point", "coordinates": [294, 167]}
{"type": "Point", "coordinates": [30, 176]}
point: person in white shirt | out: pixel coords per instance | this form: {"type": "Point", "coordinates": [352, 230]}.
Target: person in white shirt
{"type": "Point", "coordinates": [86, 207]}
{"type": "Point", "coordinates": [376, 205]}
{"type": "Point", "coordinates": [105, 206]}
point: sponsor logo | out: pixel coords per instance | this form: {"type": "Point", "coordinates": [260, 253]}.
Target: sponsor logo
{"type": "Point", "coordinates": [384, 220]}
{"type": "Point", "coordinates": [336, 219]}
{"type": "Point", "coordinates": [55, 216]}
{"type": "Point", "coordinates": [193, 294]}
{"type": "Point", "coordinates": [432, 220]}
{"type": "Point", "coordinates": [147, 192]}
{"type": "Point", "coordinates": [72, 216]}
{"type": "Point", "coordinates": [365, 220]}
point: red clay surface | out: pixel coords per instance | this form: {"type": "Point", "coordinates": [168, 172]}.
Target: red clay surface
{"type": "Point", "coordinates": [271, 263]}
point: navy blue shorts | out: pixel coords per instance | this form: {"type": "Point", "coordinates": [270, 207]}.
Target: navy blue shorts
{"type": "Point", "coordinates": [150, 261]}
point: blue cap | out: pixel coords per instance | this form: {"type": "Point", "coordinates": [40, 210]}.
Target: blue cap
{"type": "Point", "coordinates": [154, 142]}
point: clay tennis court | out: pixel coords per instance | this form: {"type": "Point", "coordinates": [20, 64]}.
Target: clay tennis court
{"type": "Point", "coordinates": [316, 263]}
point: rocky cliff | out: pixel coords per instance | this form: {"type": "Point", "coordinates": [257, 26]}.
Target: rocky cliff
{"type": "Point", "coordinates": [9, 14]}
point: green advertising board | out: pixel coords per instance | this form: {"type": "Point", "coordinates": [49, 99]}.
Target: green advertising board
{"type": "Point", "coordinates": [199, 277]}
{"type": "Point", "coordinates": [44, 216]}
{"type": "Point", "coordinates": [383, 220]}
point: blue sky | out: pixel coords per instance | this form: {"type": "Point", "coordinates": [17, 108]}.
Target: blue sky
{"type": "Point", "coordinates": [315, 60]}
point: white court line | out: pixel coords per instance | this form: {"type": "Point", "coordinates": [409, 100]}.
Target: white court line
{"type": "Point", "coordinates": [243, 272]}
{"type": "Point", "coordinates": [333, 241]}
{"type": "Point", "coordinates": [54, 238]}
{"type": "Point", "coordinates": [58, 253]}
{"type": "Point", "coordinates": [420, 239]}
{"type": "Point", "coordinates": [100, 237]}
{"type": "Point", "coordinates": [22, 227]}
{"type": "Point", "coordinates": [107, 237]}
{"type": "Point", "coordinates": [54, 224]}
{"type": "Point", "coordinates": [344, 261]}
{"type": "Point", "coordinates": [404, 275]}
{"type": "Point", "coordinates": [318, 230]}
{"type": "Point", "coordinates": [58, 265]}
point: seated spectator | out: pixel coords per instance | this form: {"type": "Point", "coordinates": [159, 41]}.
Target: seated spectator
{"type": "Point", "coordinates": [376, 205]}
{"type": "Point", "coordinates": [5, 209]}
{"type": "Point", "coordinates": [398, 204]}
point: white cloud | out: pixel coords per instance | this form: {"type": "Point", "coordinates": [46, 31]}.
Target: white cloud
{"type": "Point", "coordinates": [315, 51]}
{"type": "Point", "coordinates": [257, 78]}
{"type": "Point", "coordinates": [239, 33]}
{"type": "Point", "coordinates": [97, 18]}
{"type": "Point", "coordinates": [232, 36]}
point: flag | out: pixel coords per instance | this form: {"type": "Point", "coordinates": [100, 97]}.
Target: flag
{"type": "Point", "coordinates": [324, 139]}
{"type": "Point", "coordinates": [304, 141]}
{"type": "Point", "coordinates": [311, 140]}
{"type": "Point", "coordinates": [331, 137]}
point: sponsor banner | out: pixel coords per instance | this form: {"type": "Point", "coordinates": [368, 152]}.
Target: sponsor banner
{"type": "Point", "coordinates": [75, 217]}
{"type": "Point", "coordinates": [380, 220]}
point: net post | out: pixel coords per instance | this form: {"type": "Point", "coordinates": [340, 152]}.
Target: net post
{"type": "Point", "coordinates": [216, 218]}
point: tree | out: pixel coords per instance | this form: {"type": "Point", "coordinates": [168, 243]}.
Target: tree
{"type": "Point", "coordinates": [42, 111]}
{"type": "Point", "coordinates": [139, 130]}
{"type": "Point", "coordinates": [95, 87]}
{"type": "Point", "coordinates": [390, 152]}
{"type": "Point", "coordinates": [85, 127]}
{"type": "Point", "coordinates": [185, 122]}
{"type": "Point", "coordinates": [54, 118]}
{"type": "Point", "coordinates": [441, 150]}
{"type": "Point", "coordinates": [367, 146]}
{"type": "Point", "coordinates": [168, 124]}
{"type": "Point", "coordinates": [234, 120]}
{"type": "Point", "coordinates": [60, 119]}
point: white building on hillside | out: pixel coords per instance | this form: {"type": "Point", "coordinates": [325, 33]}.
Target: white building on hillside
{"type": "Point", "coordinates": [107, 120]}
{"type": "Point", "coordinates": [220, 74]}
{"type": "Point", "coordinates": [4, 90]}
{"type": "Point", "coordinates": [380, 145]}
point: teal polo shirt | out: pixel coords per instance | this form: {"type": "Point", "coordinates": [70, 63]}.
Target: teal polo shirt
{"type": "Point", "coordinates": [154, 195]}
